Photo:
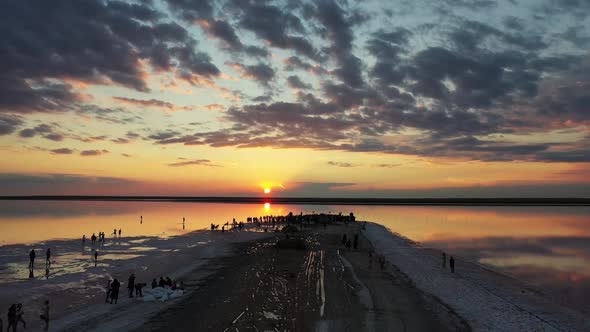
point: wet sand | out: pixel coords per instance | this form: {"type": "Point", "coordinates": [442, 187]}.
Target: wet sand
{"type": "Point", "coordinates": [323, 288]}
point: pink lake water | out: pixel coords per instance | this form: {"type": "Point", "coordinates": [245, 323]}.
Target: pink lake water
{"type": "Point", "coordinates": [548, 247]}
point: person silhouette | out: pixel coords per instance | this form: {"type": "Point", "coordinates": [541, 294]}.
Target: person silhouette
{"type": "Point", "coordinates": [141, 219]}
{"type": "Point", "coordinates": [32, 259]}
{"type": "Point", "coordinates": [119, 232]}
{"type": "Point", "coordinates": [11, 318]}
{"type": "Point", "coordinates": [95, 258]}
{"type": "Point", "coordinates": [48, 257]}
{"type": "Point", "coordinates": [115, 290]}
{"type": "Point", "coordinates": [452, 264]}
{"type": "Point", "coordinates": [131, 284]}
{"type": "Point", "coordinates": [19, 315]}
{"type": "Point", "coordinates": [109, 290]}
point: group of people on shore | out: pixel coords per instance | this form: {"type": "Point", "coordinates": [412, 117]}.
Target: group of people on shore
{"type": "Point", "coordinates": [100, 239]}
{"type": "Point", "coordinates": [16, 314]}
{"type": "Point", "coordinates": [113, 286]}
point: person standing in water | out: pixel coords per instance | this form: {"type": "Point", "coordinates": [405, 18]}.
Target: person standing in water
{"type": "Point", "coordinates": [48, 257]}
{"type": "Point", "coordinates": [32, 259]}
{"type": "Point", "coordinates": [452, 264]}
{"type": "Point", "coordinates": [141, 219]}
{"type": "Point", "coordinates": [119, 232]}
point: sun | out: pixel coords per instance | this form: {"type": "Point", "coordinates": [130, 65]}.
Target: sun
{"type": "Point", "coordinates": [267, 190]}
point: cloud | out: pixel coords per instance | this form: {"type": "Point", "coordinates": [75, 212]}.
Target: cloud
{"type": "Point", "coordinates": [9, 124]}
{"type": "Point", "coordinates": [44, 130]}
{"type": "Point", "coordinates": [262, 73]}
{"type": "Point", "coordinates": [58, 184]}
{"type": "Point", "coordinates": [341, 164]}
{"type": "Point", "coordinates": [96, 42]}
{"type": "Point", "coordinates": [296, 83]}
{"type": "Point", "coordinates": [200, 162]}
{"type": "Point", "coordinates": [91, 153]}
{"type": "Point", "coordinates": [62, 151]}
{"type": "Point", "coordinates": [275, 26]}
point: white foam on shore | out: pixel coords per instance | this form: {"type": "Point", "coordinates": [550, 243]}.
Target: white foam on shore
{"type": "Point", "coordinates": [488, 301]}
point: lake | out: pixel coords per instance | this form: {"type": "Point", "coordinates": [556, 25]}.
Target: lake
{"type": "Point", "coordinates": [548, 247]}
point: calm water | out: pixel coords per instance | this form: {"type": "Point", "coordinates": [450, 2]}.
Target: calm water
{"type": "Point", "coordinates": [546, 246]}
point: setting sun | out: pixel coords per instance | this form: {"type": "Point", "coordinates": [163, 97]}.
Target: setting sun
{"type": "Point", "coordinates": [267, 190]}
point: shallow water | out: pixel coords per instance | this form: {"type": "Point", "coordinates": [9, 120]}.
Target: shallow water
{"type": "Point", "coordinates": [548, 247]}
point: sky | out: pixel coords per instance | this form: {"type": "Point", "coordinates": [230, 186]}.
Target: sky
{"type": "Point", "coordinates": [326, 98]}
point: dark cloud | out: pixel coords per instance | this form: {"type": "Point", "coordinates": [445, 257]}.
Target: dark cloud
{"type": "Point", "coordinates": [200, 162]}
{"type": "Point", "coordinates": [339, 31]}
{"type": "Point", "coordinates": [9, 124]}
{"type": "Point", "coordinates": [100, 42]}
{"type": "Point", "coordinates": [145, 103]}
{"type": "Point", "coordinates": [44, 130]}
{"type": "Point", "coordinates": [62, 151]}
{"type": "Point", "coordinates": [57, 184]}
{"type": "Point", "coordinates": [91, 153]}
{"type": "Point", "coordinates": [274, 25]}
{"type": "Point", "coordinates": [121, 140]}
{"type": "Point", "coordinates": [296, 83]}
{"type": "Point", "coordinates": [260, 72]}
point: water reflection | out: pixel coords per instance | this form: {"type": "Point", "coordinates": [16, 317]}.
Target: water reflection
{"type": "Point", "coordinates": [546, 246]}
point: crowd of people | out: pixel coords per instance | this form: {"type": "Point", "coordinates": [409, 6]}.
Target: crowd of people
{"type": "Point", "coordinates": [113, 287]}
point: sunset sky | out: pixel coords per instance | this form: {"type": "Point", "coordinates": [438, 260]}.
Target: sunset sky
{"type": "Point", "coordinates": [416, 98]}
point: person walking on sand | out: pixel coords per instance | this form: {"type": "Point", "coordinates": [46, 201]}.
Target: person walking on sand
{"type": "Point", "coordinates": [444, 260]}
{"type": "Point", "coordinates": [48, 257]}
{"type": "Point", "coordinates": [45, 314]}
{"type": "Point", "coordinates": [452, 264]}
{"type": "Point", "coordinates": [19, 315]}
{"type": "Point", "coordinates": [109, 290]}
{"type": "Point", "coordinates": [115, 290]}
{"type": "Point", "coordinates": [131, 284]}
{"type": "Point", "coordinates": [32, 259]}
{"type": "Point", "coordinates": [95, 257]}
{"type": "Point", "coordinates": [11, 318]}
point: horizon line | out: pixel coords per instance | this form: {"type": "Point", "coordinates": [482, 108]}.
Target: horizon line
{"type": "Point", "coordinates": [494, 201]}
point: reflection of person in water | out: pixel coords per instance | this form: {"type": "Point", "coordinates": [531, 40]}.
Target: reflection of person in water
{"type": "Point", "coordinates": [452, 264]}
{"type": "Point", "coordinates": [95, 257]}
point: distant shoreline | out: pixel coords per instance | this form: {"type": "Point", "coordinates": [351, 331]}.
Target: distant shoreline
{"type": "Point", "coordinates": [320, 201]}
